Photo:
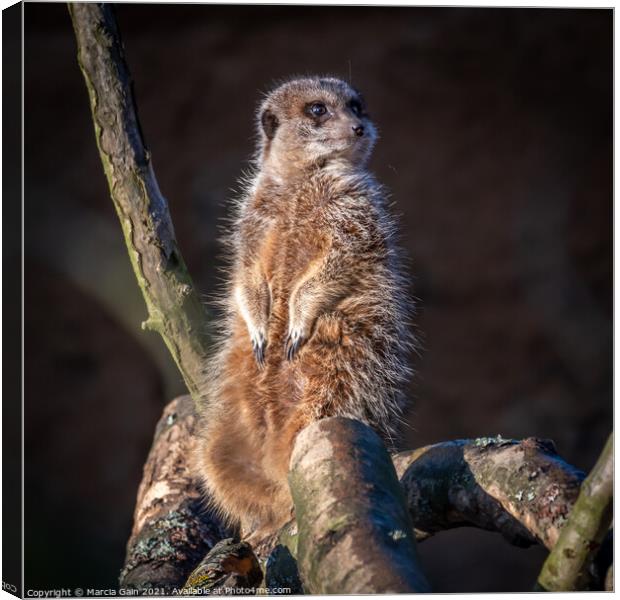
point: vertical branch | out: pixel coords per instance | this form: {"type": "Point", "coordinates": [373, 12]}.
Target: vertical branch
{"type": "Point", "coordinates": [174, 307]}
{"type": "Point", "coordinates": [566, 566]}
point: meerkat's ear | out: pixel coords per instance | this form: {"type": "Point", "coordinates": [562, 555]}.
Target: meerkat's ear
{"type": "Point", "coordinates": [270, 123]}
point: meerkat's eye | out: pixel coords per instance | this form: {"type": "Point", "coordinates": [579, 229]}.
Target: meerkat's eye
{"type": "Point", "coordinates": [317, 109]}
{"type": "Point", "coordinates": [356, 107]}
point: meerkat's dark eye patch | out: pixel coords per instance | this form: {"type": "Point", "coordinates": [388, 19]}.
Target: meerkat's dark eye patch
{"type": "Point", "coordinates": [270, 123]}
{"type": "Point", "coordinates": [356, 107]}
{"type": "Point", "coordinates": [316, 109]}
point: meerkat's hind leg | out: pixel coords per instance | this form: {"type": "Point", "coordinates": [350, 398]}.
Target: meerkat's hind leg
{"type": "Point", "coordinates": [229, 459]}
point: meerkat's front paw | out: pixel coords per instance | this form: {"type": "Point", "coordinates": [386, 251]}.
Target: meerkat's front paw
{"type": "Point", "coordinates": [259, 343]}
{"type": "Point", "coordinates": [294, 342]}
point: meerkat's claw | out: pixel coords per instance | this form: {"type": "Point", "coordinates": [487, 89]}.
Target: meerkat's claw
{"type": "Point", "coordinates": [259, 354]}
{"type": "Point", "coordinates": [258, 348]}
{"type": "Point", "coordinates": [291, 349]}
{"type": "Point", "coordinates": [294, 342]}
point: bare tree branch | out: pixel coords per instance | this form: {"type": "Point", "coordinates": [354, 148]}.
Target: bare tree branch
{"type": "Point", "coordinates": [521, 489]}
{"type": "Point", "coordinates": [172, 531]}
{"type": "Point", "coordinates": [174, 308]}
{"type": "Point", "coordinates": [229, 565]}
{"type": "Point", "coordinates": [355, 534]}
{"type": "Point", "coordinates": [566, 567]}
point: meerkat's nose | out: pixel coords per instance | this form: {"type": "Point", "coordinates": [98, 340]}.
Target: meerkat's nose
{"type": "Point", "coordinates": [359, 130]}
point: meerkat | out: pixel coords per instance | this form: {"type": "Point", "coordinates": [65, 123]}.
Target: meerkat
{"type": "Point", "coordinates": [316, 308]}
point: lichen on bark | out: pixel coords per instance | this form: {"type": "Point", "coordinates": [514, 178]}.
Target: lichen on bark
{"type": "Point", "coordinates": [172, 531]}
{"type": "Point", "coordinates": [173, 305]}
{"type": "Point", "coordinates": [521, 489]}
{"type": "Point", "coordinates": [567, 566]}
{"type": "Point", "coordinates": [354, 531]}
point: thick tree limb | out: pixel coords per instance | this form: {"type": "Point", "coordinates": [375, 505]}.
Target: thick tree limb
{"type": "Point", "coordinates": [174, 308]}
{"type": "Point", "coordinates": [355, 534]}
{"type": "Point", "coordinates": [172, 531]}
{"type": "Point", "coordinates": [521, 489]}
{"type": "Point", "coordinates": [566, 566]}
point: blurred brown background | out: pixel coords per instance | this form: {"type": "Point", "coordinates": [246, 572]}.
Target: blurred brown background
{"type": "Point", "coordinates": [496, 129]}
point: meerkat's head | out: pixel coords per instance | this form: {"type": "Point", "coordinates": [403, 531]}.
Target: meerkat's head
{"type": "Point", "coordinates": [311, 122]}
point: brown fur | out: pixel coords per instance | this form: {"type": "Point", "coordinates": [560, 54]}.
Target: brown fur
{"type": "Point", "coordinates": [316, 310]}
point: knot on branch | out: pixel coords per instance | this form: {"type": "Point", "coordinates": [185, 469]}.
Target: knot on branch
{"type": "Point", "coordinates": [540, 445]}
{"type": "Point", "coordinates": [229, 565]}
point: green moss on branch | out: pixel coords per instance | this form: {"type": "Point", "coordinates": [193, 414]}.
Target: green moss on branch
{"type": "Point", "coordinates": [354, 532]}
{"type": "Point", "coordinates": [173, 305]}
{"type": "Point", "coordinates": [566, 567]}
{"type": "Point", "coordinates": [521, 489]}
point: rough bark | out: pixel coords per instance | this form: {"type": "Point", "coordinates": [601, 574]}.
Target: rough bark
{"type": "Point", "coordinates": [229, 567]}
{"type": "Point", "coordinates": [281, 570]}
{"type": "Point", "coordinates": [355, 534]}
{"type": "Point", "coordinates": [174, 307]}
{"type": "Point", "coordinates": [521, 489]}
{"type": "Point", "coordinates": [567, 566]}
{"type": "Point", "coordinates": [171, 532]}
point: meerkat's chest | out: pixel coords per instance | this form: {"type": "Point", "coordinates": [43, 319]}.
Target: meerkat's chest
{"type": "Point", "coordinates": [290, 248]}
{"type": "Point", "coordinates": [304, 228]}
